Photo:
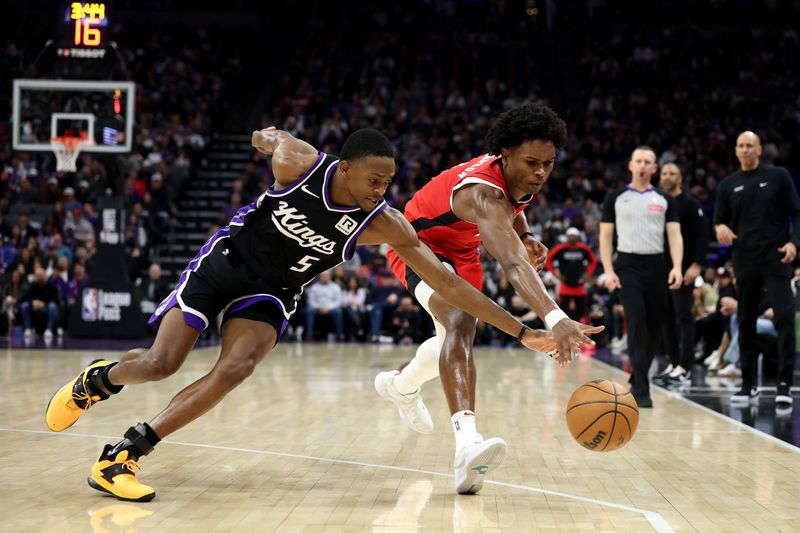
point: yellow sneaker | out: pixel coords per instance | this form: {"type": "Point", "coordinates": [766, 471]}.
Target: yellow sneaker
{"type": "Point", "coordinates": [117, 476]}
{"type": "Point", "coordinates": [72, 400]}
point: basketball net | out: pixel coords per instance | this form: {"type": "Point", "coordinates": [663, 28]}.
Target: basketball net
{"type": "Point", "coordinates": [67, 150]}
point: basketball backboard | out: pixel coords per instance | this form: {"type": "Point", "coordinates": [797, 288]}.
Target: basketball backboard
{"type": "Point", "coordinates": [43, 109]}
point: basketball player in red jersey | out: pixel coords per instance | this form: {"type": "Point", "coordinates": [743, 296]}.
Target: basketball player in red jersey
{"type": "Point", "coordinates": [481, 200]}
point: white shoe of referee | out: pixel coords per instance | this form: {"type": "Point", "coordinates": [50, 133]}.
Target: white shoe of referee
{"type": "Point", "coordinates": [472, 463]}
{"type": "Point", "coordinates": [410, 406]}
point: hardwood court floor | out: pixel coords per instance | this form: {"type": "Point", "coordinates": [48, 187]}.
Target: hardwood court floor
{"type": "Point", "coordinates": [306, 445]}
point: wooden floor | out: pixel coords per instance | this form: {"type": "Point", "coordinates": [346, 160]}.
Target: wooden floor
{"type": "Point", "coordinates": [306, 445]}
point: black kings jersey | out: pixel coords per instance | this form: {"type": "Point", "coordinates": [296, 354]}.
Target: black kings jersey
{"type": "Point", "coordinates": [291, 235]}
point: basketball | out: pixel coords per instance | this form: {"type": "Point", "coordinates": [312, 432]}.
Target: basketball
{"type": "Point", "coordinates": [602, 415]}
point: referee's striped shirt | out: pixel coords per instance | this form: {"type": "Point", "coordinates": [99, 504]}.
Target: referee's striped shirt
{"type": "Point", "coordinates": [639, 218]}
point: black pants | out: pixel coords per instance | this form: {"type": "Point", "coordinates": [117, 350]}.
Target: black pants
{"type": "Point", "coordinates": [679, 329]}
{"type": "Point", "coordinates": [709, 329]}
{"type": "Point", "coordinates": [574, 306]}
{"type": "Point", "coordinates": [750, 283]}
{"type": "Point", "coordinates": [644, 297]}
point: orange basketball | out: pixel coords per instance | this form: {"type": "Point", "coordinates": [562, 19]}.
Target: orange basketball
{"type": "Point", "coordinates": [602, 415]}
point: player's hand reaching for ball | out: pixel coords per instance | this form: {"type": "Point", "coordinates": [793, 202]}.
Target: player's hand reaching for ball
{"type": "Point", "coordinates": [569, 336]}
{"type": "Point", "coordinates": [539, 341]}
{"type": "Point", "coordinates": [537, 252]}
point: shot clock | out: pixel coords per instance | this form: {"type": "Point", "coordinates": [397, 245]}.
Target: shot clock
{"type": "Point", "coordinates": [84, 30]}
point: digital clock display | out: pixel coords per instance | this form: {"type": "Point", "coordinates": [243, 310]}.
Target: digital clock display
{"type": "Point", "coordinates": [89, 21]}
{"type": "Point", "coordinates": [86, 24]}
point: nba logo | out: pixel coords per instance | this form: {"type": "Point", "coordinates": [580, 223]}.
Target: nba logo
{"type": "Point", "coordinates": [90, 304]}
{"type": "Point", "coordinates": [346, 225]}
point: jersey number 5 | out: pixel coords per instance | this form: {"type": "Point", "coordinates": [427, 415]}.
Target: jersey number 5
{"type": "Point", "coordinates": [304, 264]}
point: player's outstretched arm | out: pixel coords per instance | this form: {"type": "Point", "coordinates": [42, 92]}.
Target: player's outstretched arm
{"type": "Point", "coordinates": [489, 209]}
{"type": "Point", "coordinates": [291, 157]}
{"type": "Point", "coordinates": [392, 228]}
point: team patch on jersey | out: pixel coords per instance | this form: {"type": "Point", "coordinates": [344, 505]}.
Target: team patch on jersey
{"type": "Point", "coordinates": [346, 225]}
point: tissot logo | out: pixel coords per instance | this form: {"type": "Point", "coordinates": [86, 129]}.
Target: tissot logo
{"type": "Point", "coordinates": [295, 226]}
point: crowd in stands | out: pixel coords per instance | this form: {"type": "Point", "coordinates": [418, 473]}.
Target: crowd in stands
{"type": "Point", "coordinates": [48, 218]}
{"type": "Point", "coordinates": [684, 88]}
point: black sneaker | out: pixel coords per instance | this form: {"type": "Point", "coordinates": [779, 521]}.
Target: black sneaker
{"type": "Point", "coordinates": [679, 378]}
{"type": "Point", "coordinates": [664, 374]}
{"type": "Point", "coordinates": [784, 395]}
{"type": "Point", "coordinates": [643, 401]}
{"type": "Point", "coordinates": [745, 395]}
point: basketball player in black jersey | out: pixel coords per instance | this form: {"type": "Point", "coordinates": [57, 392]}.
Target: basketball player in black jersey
{"type": "Point", "coordinates": [253, 271]}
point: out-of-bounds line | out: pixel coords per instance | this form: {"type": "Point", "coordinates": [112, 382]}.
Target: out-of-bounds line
{"type": "Point", "coordinates": [733, 421]}
{"type": "Point", "coordinates": [728, 431]}
{"type": "Point", "coordinates": [655, 519]}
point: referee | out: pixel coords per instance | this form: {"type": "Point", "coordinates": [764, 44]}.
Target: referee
{"type": "Point", "coordinates": [756, 207]}
{"type": "Point", "coordinates": [694, 231]}
{"type": "Point", "coordinates": [640, 213]}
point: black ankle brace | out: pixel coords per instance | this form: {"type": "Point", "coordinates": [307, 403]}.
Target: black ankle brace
{"type": "Point", "coordinates": [99, 383]}
{"type": "Point", "coordinates": [139, 440]}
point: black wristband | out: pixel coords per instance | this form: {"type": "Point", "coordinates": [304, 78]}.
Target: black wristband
{"type": "Point", "coordinates": [522, 332]}
{"type": "Point", "coordinates": [527, 233]}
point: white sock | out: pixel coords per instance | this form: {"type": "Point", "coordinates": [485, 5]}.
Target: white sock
{"type": "Point", "coordinates": [465, 428]}
{"type": "Point", "coordinates": [424, 367]}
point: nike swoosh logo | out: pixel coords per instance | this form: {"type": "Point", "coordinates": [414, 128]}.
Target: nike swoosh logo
{"type": "Point", "coordinates": [305, 189]}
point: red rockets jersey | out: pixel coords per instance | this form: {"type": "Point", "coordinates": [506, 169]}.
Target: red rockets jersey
{"type": "Point", "coordinates": [430, 210]}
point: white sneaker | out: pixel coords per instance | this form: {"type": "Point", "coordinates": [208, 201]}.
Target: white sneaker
{"type": "Point", "coordinates": [473, 463]}
{"type": "Point", "coordinates": [729, 371]}
{"type": "Point", "coordinates": [677, 371]}
{"type": "Point", "coordinates": [665, 373]}
{"type": "Point", "coordinates": [28, 333]}
{"type": "Point", "coordinates": [48, 336]}
{"type": "Point", "coordinates": [712, 358]}
{"type": "Point", "coordinates": [410, 406]}
{"type": "Point", "coordinates": [679, 375]}
{"type": "Point", "coordinates": [620, 344]}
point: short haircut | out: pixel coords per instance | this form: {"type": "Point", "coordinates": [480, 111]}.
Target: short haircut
{"type": "Point", "coordinates": [526, 122]}
{"type": "Point", "coordinates": [665, 165]}
{"type": "Point", "coordinates": [366, 142]}
{"type": "Point", "coordinates": [645, 148]}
